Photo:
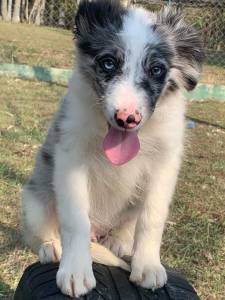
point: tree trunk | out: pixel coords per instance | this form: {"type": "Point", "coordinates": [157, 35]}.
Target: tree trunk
{"type": "Point", "coordinates": [27, 10]}
{"type": "Point", "coordinates": [37, 11]}
{"type": "Point", "coordinates": [4, 10]}
{"type": "Point", "coordinates": [40, 14]}
{"type": "Point", "coordinates": [16, 11]}
{"type": "Point", "coordinates": [51, 13]}
{"type": "Point", "coordinates": [9, 13]}
{"type": "Point", "coordinates": [62, 16]}
{"type": "Point", "coordinates": [23, 11]}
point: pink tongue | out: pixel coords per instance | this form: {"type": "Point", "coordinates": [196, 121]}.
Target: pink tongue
{"type": "Point", "coordinates": [120, 146]}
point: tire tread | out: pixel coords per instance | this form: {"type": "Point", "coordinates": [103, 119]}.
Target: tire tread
{"type": "Point", "coordinates": [39, 282]}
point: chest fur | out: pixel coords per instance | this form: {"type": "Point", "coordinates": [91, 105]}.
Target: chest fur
{"type": "Point", "coordinates": [113, 189]}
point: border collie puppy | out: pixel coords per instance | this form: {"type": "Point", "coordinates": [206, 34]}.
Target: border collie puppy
{"type": "Point", "coordinates": [105, 176]}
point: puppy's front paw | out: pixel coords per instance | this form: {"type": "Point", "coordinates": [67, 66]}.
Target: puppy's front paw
{"type": "Point", "coordinates": [75, 279]}
{"type": "Point", "coordinates": [148, 275]}
{"type": "Point", "coordinates": [50, 252]}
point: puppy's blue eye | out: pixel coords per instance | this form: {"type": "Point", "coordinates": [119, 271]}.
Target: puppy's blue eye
{"type": "Point", "coordinates": [157, 71]}
{"type": "Point", "coordinates": [108, 65]}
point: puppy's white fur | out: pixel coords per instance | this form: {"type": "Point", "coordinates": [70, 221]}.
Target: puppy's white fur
{"type": "Point", "coordinates": [127, 204]}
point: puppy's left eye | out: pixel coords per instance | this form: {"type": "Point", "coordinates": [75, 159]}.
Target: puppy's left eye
{"type": "Point", "coordinates": [157, 71]}
{"type": "Point", "coordinates": [108, 64]}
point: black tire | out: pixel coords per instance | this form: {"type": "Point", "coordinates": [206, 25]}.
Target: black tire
{"type": "Point", "coordinates": [38, 282]}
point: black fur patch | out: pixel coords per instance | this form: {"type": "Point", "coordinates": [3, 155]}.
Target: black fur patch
{"type": "Point", "coordinates": [152, 89]}
{"type": "Point", "coordinates": [190, 82]}
{"type": "Point", "coordinates": [98, 13]}
{"type": "Point", "coordinates": [172, 85]}
{"type": "Point", "coordinates": [160, 51]}
{"type": "Point", "coordinates": [31, 185]}
{"type": "Point", "coordinates": [97, 25]}
{"type": "Point", "coordinates": [92, 17]}
{"type": "Point", "coordinates": [146, 85]}
{"type": "Point", "coordinates": [157, 55]}
{"type": "Point", "coordinates": [47, 157]}
{"type": "Point", "coordinates": [57, 133]}
{"type": "Point", "coordinates": [57, 127]}
{"type": "Point", "coordinates": [59, 119]}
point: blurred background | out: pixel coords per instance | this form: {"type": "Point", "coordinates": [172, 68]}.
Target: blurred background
{"type": "Point", "coordinates": [35, 38]}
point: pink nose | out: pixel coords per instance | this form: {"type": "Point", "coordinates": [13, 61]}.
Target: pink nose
{"type": "Point", "coordinates": [127, 119]}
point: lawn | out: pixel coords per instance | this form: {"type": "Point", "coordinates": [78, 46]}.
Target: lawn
{"type": "Point", "coordinates": [33, 45]}
{"type": "Point", "coordinates": [25, 109]}
{"type": "Point", "coordinates": [194, 241]}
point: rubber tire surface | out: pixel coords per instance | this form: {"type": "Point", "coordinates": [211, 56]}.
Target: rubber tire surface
{"type": "Point", "coordinates": [39, 282]}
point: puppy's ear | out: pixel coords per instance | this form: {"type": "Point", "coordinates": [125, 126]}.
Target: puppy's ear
{"type": "Point", "coordinates": [186, 41]}
{"type": "Point", "coordinates": [94, 14]}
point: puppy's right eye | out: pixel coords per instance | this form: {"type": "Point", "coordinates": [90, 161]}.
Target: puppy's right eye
{"type": "Point", "coordinates": [108, 64]}
{"type": "Point", "coordinates": [157, 71]}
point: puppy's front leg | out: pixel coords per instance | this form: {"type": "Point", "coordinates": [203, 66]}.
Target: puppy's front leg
{"type": "Point", "coordinates": [147, 269]}
{"type": "Point", "coordinates": [75, 276]}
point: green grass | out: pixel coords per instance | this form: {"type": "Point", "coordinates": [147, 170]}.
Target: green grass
{"type": "Point", "coordinates": [25, 110]}
{"type": "Point", "coordinates": [194, 237]}
{"type": "Point", "coordinates": [195, 241]}
{"type": "Point", "coordinates": [34, 45]}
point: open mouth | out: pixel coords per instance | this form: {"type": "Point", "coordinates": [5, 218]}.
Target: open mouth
{"type": "Point", "coordinates": [121, 146]}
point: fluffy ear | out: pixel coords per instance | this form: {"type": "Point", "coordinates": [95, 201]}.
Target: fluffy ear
{"type": "Point", "coordinates": [187, 44]}
{"type": "Point", "coordinates": [97, 14]}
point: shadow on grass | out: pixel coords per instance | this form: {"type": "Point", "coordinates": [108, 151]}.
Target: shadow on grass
{"type": "Point", "coordinates": [197, 120]}
{"type": "Point", "coordinates": [12, 237]}
{"type": "Point", "coordinates": [6, 293]}
{"type": "Point", "coordinates": [42, 73]}
{"type": "Point", "coordinates": [51, 75]}
{"type": "Point", "coordinates": [8, 172]}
